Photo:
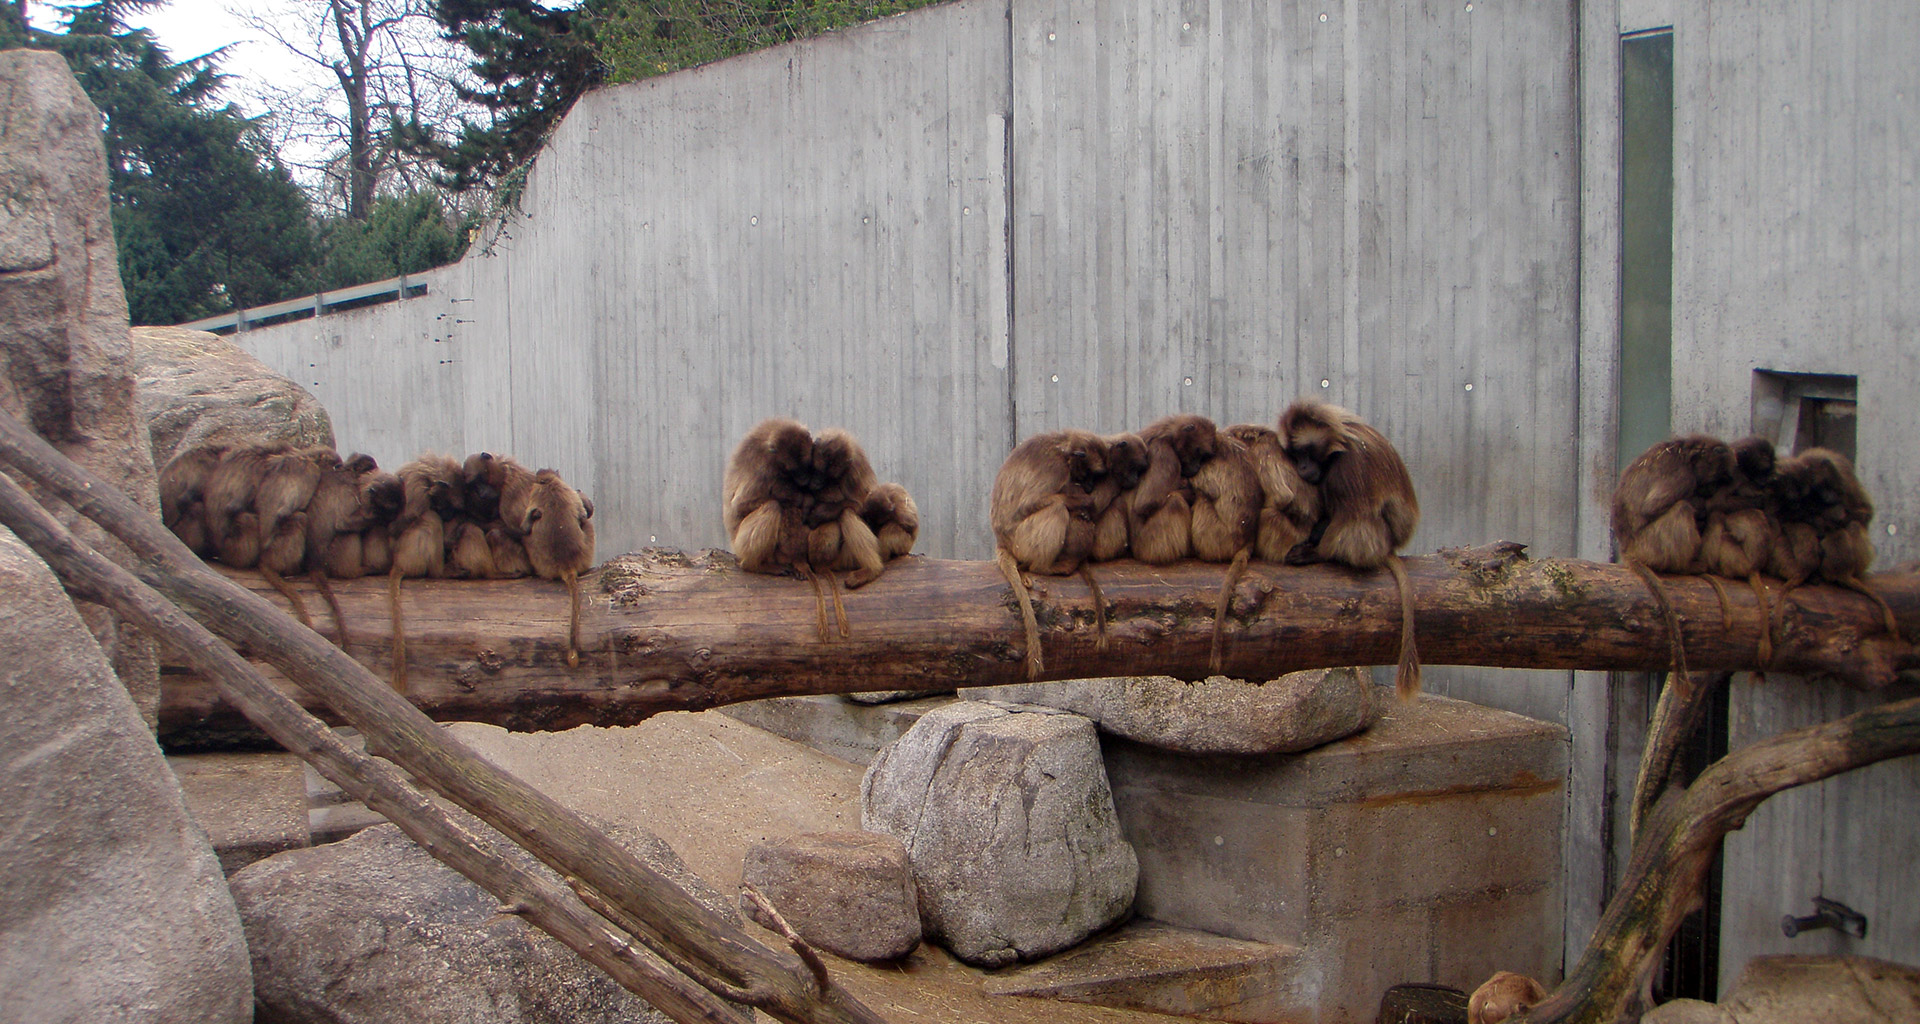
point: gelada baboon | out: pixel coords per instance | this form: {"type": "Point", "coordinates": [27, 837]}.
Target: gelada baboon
{"type": "Point", "coordinates": [428, 485]}
{"type": "Point", "coordinates": [1043, 517]}
{"type": "Point", "coordinates": [1368, 511]}
{"type": "Point", "coordinates": [183, 490]}
{"type": "Point", "coordinates": [1225, 519]}
{"type": "Point", "coordinates": [1657, 510]}
{"type": "Point", "coordinates": [558, 527]}
{"type": "Point", "coordinates": [1126, 464]}
{"type": "Point", "coordinates": [1736, 539]}
{"type": "Point", "coordinates": [1289, 506]}
{"type": "Point", "coordinates": [1824, 512]}
{"type": "Point", "coordinates": [837, 538]}
{"type": "Point", "coordinates": [765, 498]}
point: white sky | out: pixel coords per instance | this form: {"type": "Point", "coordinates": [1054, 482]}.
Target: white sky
{"type": "Point", "coordinates": [189, 28]}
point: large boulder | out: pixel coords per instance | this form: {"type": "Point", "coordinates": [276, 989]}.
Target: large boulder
{"type": "Point", "coordinates": [66, 367]}
{"type": "Point", "coordinates": [849, 893]}
{"type": "Point", "coordinates": [1009, 822]}
{"type": "Point", "coordinates": [198, 388]}
{"type": "Point", "coordinates": [1298, 711]}
{"type": "Point", "coordinates": [373, 930]}
{"type": "Point", "coordinates": [112, 905]}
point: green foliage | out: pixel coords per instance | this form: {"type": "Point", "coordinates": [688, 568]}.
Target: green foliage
{"type": "Point", "coordinates": [532, 61]}
{"type": "Point", "coordinates": [403, 235]}
{"type": "Point", "coordinates": [643, 38]}
{"type": "Point", "coordinates": [205, 216]}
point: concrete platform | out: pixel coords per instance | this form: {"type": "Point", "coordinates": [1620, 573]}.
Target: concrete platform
{"type": "Point", "coordinates": [251, 806]}
{"type": "Point", "coordinates": [1424, 850]}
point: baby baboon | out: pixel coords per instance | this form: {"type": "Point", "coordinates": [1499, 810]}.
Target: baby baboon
{"type": "Point", "coordinates": [1289, 506]}
{"type": "Point", "coordinates": [1043, 516]}
{"type": "Point", "coordinates": [1126, 464]}
{"type": "Point", "coordinates": [1368, 511]}
{"type": "Point", "coordinates": [183, 487]}
{"type": "Point", "coordinates": [497, 488]}
{"type": "Point", "coordinates": [891, 514]}
{"type": "Point", "coordinates": [1657, 510]}
{"type": "Point", "coordinates": [559, 542]}
{"type": "Point", "coordinates": [1160, 509]}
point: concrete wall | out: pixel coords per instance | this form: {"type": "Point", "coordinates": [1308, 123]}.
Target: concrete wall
{"type": "Point", "coordinates": [1797, 235]}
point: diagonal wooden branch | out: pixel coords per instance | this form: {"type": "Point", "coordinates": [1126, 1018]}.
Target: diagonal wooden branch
{"type": "Point", "coordinates": [457, 840]}
{"type": "Point", "coordinates": [777, 981]}
{"type": "Point", "coordinates": [663, 630]}
{"type": "Point", "coordinates": [1677, 841]}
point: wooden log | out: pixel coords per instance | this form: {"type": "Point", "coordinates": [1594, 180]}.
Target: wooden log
{"type": "Point", "coordinates": [664, 630]}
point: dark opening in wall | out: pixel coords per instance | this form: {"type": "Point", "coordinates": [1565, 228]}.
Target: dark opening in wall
{"type": "Point", "coordinates": [1806, 410]}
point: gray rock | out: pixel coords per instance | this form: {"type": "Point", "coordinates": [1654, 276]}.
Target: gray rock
{"type": "Point", "coordinates": [891, 696]}
{"type": "Point", "coordinates": [1298, 711]}
{"type": "Point", "coordinates": [1827, 989]}
{"type": "Point", "coordinates": [372, 930]}
{"type": "Point", "coordinates": [1009, 822]}
{"type": "Point", "coordinates": [112, 905]}
{"type": "Point", "coordinates": [198, 388]}
{"type": "Point", "coordinates": [66, 368]}
{"type": "Point", "coordinates": [849, 893]}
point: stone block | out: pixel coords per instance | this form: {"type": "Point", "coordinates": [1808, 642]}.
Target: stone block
{"type": "Point", "coordinates": [849, 893]}
{"type": "Point", "coordinates": [250, 805]}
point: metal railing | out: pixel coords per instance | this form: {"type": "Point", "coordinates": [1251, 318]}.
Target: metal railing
{"type": "Point", "coordinates": [319, 303]}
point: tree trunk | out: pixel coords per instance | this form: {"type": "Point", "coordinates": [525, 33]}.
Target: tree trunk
{"type": "Point", "coordinates": [662, 630]}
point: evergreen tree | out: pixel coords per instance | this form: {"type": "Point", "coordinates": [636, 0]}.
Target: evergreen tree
{"type": "Point", "coordinates": [533, 62]}
{"type": "Point", "coordinates": [402, 235]}
{"type": "Point", "coordinates": [205, 218]}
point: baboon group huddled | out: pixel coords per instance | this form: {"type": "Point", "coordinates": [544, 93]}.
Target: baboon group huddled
{"type": "Point", "coordinates": [287, 510]}
{"type": "Point", "coordinates": [1696, 505]}
{"type": "Point", "coordinates": [1321, 485]}
{"type": "Point", "coordinates": [793, 499]}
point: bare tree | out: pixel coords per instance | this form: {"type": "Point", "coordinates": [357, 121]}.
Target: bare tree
{"type": "Point", "coordinates": [377, 64]}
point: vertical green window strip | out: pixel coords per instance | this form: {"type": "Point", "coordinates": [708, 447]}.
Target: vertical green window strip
{"type": "Point", "coordinates": [1646, 241]}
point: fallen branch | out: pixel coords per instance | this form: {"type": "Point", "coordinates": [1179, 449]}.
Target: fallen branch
{"type": "Point", "coordinates": [665, 917]}
{"type": "Point", "coordinates": [663, 631]}
{"type": "Point", "coordinates": [1676, 844]}
{"type": "Point", "coordinates": [462, 843]}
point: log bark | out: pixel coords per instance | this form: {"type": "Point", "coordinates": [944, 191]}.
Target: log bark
{"type": "Point", "coordinates": [1677, 841]}
{"type": "Point", "coordinates": [663, 630]}
{"type": "Point", "coordinates": [693, 938]}
{"type": "Point", "coordinates": [457, 840]}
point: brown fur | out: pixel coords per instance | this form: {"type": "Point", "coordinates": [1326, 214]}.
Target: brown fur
{"type": "Point", "coordinates": [765, 498]}
{"type": "Point", "coordinates": [1288, 505]}
{"type": "Point", "coordinates": [336, 515]}
{"type": "Point", "coordinates": [558, 527]}
{"type": "Point", "coordinates": [497, 487]}
{"type": "Point", "coordinates": [183, 489]}
{"type": "Point", "coordinates": [228, 494]}
{"type": "Point", "coordinates": [430, 483]}
{"type": "Point", "coordinates": [838, 538]}
{"type": "Point", "coordinates": [1159, 516]}
{"type": "Point", "coordinates": [1043, 516]}
{"type": "Point", "coordinates": [1368, 508]}
{"type": "Point", "coordinates": [418, 550]}
{"type": "Point", "coordinates": [1225, 519]}
{"type": "Point", "coordinates": [1739, 530]}
{"type": "Point", "coordinates": [510, 561]}
{"type": "Point", "coordinates": [1502, 996]}
{"type": "Point", "coordinates": [1658, 509]}
{"type": "Point", "coordinates": [1824, 512]}
{"type": "Point", "coordinates": [1126, 464]}
{"type": "Point", "coordinates": [894, 518]}
{"type": "Point", "coordinates": [469, 555]}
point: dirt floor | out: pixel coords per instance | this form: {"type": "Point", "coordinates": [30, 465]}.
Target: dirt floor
{"type": "Point", "coordinates": [710, 786]}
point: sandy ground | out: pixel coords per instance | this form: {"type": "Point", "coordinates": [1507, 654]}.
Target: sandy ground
{"type": "Point", "coordinates": [710, 786]}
